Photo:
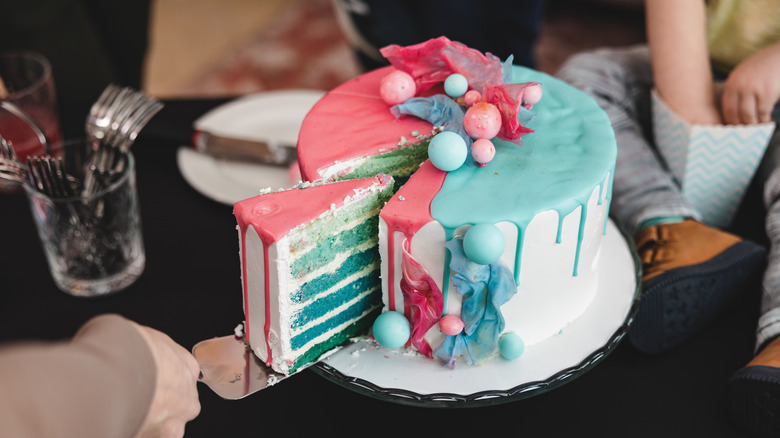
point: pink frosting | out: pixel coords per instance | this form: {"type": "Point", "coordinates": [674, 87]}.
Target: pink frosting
{"type": "Point", "coordinates": [325, 139]}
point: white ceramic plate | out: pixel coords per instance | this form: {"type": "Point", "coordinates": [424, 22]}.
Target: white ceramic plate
{"type": "Point", "coordinates": [409, 378]}
{"type": "Point", "coordinates": [275, 115]}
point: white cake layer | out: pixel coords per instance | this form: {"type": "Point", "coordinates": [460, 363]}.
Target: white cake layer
{"type": "Point", "coordinates": [281, 307]}
{"type": "Point", "coordinates": [257, 305]}
{"type": "Point", "coordinates": [549, 295]}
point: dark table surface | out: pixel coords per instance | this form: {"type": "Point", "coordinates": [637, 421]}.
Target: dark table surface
{"type": "Point", "coordinates": [191, 290]}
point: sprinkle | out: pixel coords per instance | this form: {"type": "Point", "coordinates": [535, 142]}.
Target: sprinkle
{"type": "Point", "coordinates": [415, 133]}
{"type": "Point", "coordinates": [401, 198]}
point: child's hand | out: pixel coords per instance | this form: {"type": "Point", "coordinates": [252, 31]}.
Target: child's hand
{"type": "Point", "coordinates": [753, 88]}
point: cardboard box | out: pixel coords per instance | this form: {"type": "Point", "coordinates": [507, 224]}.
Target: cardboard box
{"type": "Point", "coordinates": [713, 164]}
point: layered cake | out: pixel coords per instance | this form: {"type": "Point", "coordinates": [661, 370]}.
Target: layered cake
{"type": "Point", "coordinates": [493, 240]}
{"type": "Point", "coordinates": [310, 268]}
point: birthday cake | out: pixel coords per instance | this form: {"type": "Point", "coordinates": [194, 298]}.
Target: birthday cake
{"type": "Point", "coordinates": [493, 240]}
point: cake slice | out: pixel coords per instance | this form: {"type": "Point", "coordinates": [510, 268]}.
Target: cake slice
{"type": "Point", "coordinates": [310, 268]}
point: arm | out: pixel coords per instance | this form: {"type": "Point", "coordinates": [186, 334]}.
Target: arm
{"type": "Point", "coordinates": [753, 88]}
{"type": "Point", "coordinates": [681, 67]}
{"type": "Point", "coordinates": [114, 379]}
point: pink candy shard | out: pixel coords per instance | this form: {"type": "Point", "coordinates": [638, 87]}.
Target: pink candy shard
{"type": "Point", "coordinates": [508, 98]}
{"type": "Point", "coordinates": [423, 300]}
{"type": "Point", "coordinates": [432, 61]}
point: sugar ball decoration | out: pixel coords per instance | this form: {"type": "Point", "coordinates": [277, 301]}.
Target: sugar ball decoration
{"type": "Point", "coordinates": [471, 97]}
{"type": "Point", "coordinates": [483, 151]}
{"type": "Point", "coordinates": [397, 87]}
{"type": "Point", "coordinates": [482, 120]}
{"type": "Point", "coordinates": [447, 151]}
{"type": "Point", "coordinates": [456, 85]}
{"type": "Point", "coordinates": [391, 329]}
{"type": "Point", "coordinates": [451, 325]}
{"type": "Point", "coordinates": [531, 95]}
{"type": "Point", "coordinates": [511, 345]}
{"type": "Point", "coordinates": [483, 243]}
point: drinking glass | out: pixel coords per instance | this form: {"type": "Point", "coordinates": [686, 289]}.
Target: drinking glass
{"type": "Point", "coordinates": [28, 107]}
{"type": "Point", "coordinates": [93, 242]}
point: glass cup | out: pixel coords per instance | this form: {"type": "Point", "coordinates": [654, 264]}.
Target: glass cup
{"type": "Point", "coordinates": [93, 242]}
{"type": "Point", "coordinates": [28, 107]}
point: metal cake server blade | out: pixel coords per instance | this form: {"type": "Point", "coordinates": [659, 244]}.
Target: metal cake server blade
{"type": "Point", "coordinates": [230, 368]}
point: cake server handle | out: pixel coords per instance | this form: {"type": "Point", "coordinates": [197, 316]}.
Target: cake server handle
{"type": "Point", "coordinates": [230, 369]}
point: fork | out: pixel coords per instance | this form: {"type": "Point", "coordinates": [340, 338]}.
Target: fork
{"type": "Point", "coordinates": [118, 115]}
{"type": "Point", "coordinates": [113, 124]}
{"type": "Point", "coordinates": [47, 174]}
{"type": "Point", "coordinates": [10, 167]}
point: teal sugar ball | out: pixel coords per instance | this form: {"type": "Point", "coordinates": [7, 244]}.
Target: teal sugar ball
{"type": "Point", "coordinates": [391, 330]}
{"type": "Point", "coordinates": [483, 244]}
{"type": "Point", "coordinates": [447, 151]}
{"type": "Point", "coordinates": [456, 85]}
{"type": "Point", "coordinates": [511, 346]}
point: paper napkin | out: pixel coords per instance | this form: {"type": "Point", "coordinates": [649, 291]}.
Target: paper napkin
{"type": "Point", "coordinates": [713, 164]}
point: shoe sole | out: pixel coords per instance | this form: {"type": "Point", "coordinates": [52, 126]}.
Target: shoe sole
{"type": "Point", "coordinates": [753, 400]}
{"type": "Point", "coordinates": [675, 305]}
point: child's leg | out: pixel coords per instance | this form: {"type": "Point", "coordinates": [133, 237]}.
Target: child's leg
{"type": "Point", "coordinates": [753, 392]}
{"type": "Point", "coordinates": [690, 271]}
{"type": "Point", "coordinates": [620, 81]}
{"type": "Point", "coordinates": [769, 172]}
{"type": "Point", "coordinates": [769, 321]}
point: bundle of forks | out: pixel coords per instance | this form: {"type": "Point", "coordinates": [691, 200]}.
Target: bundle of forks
{"type": "Point", "coordinates": [112, 126]}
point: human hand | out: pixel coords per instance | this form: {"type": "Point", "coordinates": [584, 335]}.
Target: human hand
{"type": "Point", "coordinates": [753, 88]}
{"type": "Point", "coordinates": [175, 399]}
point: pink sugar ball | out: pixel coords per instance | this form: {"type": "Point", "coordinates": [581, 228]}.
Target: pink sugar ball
{"type": "Point", "coordinates": [532, 94]}
{"type": "Point", "coordinates": [397, 87]}
{"type": "Point", "coordinates": [483, 151]}
{"type": "Point", "coordinates": [451, 325]}
{"type": "Point", "coordinates": [471, 97]}
{"type": "Point", "coordinates": [482, 120]}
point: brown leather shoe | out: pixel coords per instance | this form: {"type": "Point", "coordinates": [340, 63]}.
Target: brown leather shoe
{"type": "Point", "coordinates": [690, 273]}
{"type": "Point", "coordinates": [665, 247]}
{"type": "Point", "coordinates": [753, 394]}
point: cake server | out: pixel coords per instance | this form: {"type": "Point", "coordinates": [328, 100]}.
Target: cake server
{"type": "Point", "coordinates": [243, 149]}
{"type": "Point", "coordinates": [230, 368]}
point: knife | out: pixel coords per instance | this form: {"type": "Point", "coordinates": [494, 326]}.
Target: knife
{"type": "Point", "coordinates": [279, 153]}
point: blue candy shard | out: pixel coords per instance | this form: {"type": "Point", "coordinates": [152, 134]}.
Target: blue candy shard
{"type": "Point", "coordinates": [485, 288]}
{"type": "Point", "coordinates": [438, 110]}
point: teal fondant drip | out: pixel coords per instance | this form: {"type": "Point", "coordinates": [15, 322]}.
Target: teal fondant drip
{"type": "Point", "coordinates": [558, 165]}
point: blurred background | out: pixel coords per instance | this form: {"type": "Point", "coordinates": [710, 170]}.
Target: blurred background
{"type": "Point", "coordinates": [192, 49]}
{"type": "Point", "coordinates": [215, 48]}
